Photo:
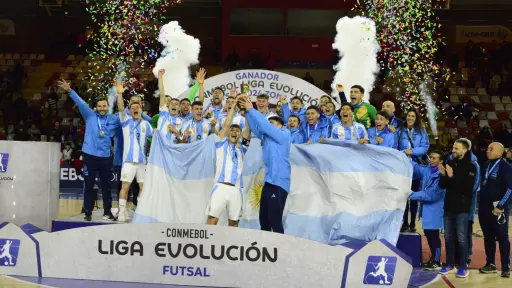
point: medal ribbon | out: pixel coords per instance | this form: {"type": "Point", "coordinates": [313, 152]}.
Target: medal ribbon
{"type": "Point", "coordinates": [488, 172]}
{"type": "Point", "coordinates": [100, 125]}
{"type": "Point", "coordinates": [316, 126]}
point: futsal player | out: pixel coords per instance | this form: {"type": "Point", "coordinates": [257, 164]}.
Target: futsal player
{"type": "Point", "coordinates": [276, 141]}
{"type": "Point", "coordinates": [135, 133]}
{"type": "Point", "coordinates": [169, 123]}
{"type": "Point", "coordinates": [227, 193]}
{"type": "Point", "coordinates": [100, 127]}
{"type": "Point", "coordinates": [348, 129]}
{"type": "Point", "coordinates": [198, 128]}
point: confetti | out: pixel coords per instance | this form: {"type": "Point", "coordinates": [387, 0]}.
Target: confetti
{"type": "Point", "coordinates": [408, 33]}
{"type": "Point", "coordinates": [124, 40]}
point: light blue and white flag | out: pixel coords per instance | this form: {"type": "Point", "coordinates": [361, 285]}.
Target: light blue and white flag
{"type": "Point", "coordinates": [340, 191]}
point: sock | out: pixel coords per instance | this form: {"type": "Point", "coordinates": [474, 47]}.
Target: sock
{"type": "Point", "coordinates": [122, 202]}
{"type": "Point", "coordinates": [437, 255]}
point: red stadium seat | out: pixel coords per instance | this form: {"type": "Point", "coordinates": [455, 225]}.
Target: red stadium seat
{"type": "Point", "coordinates": [450, 124]}
{"type": "Point", "coordinates": [503, 116]}
{"type": "Point", "coordinates": [473, 123]}
{"type": "Point", "coordinates": [463, 132]}
{"type": "Point", "coordinates": [488, 107]}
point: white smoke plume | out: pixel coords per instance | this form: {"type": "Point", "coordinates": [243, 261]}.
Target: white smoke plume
{"type": "Point", "coordinates": [180, 52]}
{"type": "Point", "coordinates": [431, 108]}
{"type": "Point", "coordinates": [358, 47]}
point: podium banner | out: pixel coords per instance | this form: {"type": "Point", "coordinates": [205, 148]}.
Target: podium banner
{"type": "Point", "coordinates": [29, 182]}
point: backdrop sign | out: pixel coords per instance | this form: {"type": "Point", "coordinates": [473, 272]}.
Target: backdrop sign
{"type": "Point", "coordinates": [72, 178]}
{"type": "Point", "coordinates": [272, 83]}
{"type": "Point", "coordinates": [29, 182]}
{"type": "Point", "coordinates": [7, 27]}
{"type": "Point", "coordinates": [484, 34]}
{"type": "Point", "coordinates": [202, 255]}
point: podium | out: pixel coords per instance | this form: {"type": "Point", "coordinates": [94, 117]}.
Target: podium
{"type": "Point", "coordinates": [29, 183]}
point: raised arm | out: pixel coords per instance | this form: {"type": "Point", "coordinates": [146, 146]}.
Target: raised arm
{"type": "Point", "coordinates": [255, 119]}
{"type": "Point", "coordinates": [120, 102]}
{"type": "Point", "coordinates": [83, 107]}
{"type": "Point", "coordinates": [200, 75]}
{"type": "Point", "coordinates": [225, 126]}
{"type": "Point", "coordinates": [161, 88]}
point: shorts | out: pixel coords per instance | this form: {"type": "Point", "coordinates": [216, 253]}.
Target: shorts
{"type": "Point", "coordinates": [225, 196]}
{"type": "Point", "coordinates": [129, 171]}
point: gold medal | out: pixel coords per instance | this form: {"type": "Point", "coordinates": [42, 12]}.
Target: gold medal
{"type": "Point", "coordinates": [102, 134]}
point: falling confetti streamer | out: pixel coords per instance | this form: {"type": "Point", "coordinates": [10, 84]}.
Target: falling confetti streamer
{"type": "Point", "coordinates": [408, 33]}
{"type": "Point", "coordinates": [125, 35]}
{"type": "Point", "coordinates": [431, 108]}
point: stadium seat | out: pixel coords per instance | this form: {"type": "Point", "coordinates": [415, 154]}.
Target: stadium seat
{"type": "Point", "coordinates": [503, 116]}
{"type": "Point", "coordinates": [506, 100]}
{"type": "Point", "coordinates": [78, 70]}
{"type": "Point", "coordinates": [71, 57]}
{"type": "Point", "coordinates": [10, 62]}
{"type": "Point", "coordinates": [454, 99]}
{"type": "Point", "coordinates": [472, 91]}
{"type": "Point", "coordinates": [461, 91]}
{"type": "Point", "coordinates": [507, 124]}
{"type": "Point", "coordinates": [450, 124]}
{"type": "Point", "coordinates": [463, 132]}
{"type": "Point", "coordinates": [32, 56]}
{"type": "Point", "coordinates": [492, 115]}
{"type": "Point", "coordinates": [64, 75]}
{"type": "Point", "coordinates": [499, 107]}
{"type": "Point", "coordinates": [2, 56]}
{"type": "Point", "coordinates": [79, 58]}
{"type": "Point", "coordinates": [508, 107]}
{"type": "Point", "coordinates": [495, 124]}
{"type": "Point", "coordinates": [87, 58]}
{"type": "Point", "coordinates": [482, 115]}
{"type": "Point", "coordinates": [453, 90]}
{"type": "Point", "coordinates": [495, 99]}
{"type": "Point", "coordinates": [8, 56]}
{"type": "Point", "coordinates": [41, 57]}
{"type": "Point", "coordinates": [461, 65]}
{"type": "Point", "coordinates": [461, 124]}
{"type": "Point", "coordinates": [24, 56]}
{"type": "Point", "coordinates": [484, 99]}
{"type": "Point", "coordinates": [26, 63]}
{"type": "Point", "coordinates": [37, 96]}
{"type": "Point", "coordinates": [510, 116]}
{"type": "Point", "coordinates": [481, 91]}
{"type": "Point", "coordinates": [3, 62]}
{"type": "Point", "coordinates": [82, 64]}
{"type": "Point", "coordinates": [475, 98]}
{"type": "Point", "coordinates": [473, 124]}
{"type": "Point", "coordinates": [487, 107]}
{"type": "Point", "coordinates": [69, 69]}
{"type": "Point", "coordinates": [16, 56]}
{"type": "Point", "coordinates": [484, 123]}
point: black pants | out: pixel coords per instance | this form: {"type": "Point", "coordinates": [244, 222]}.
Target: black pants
{"type": "Point", "coordinates": [134, 188]}
{"type": "Point", "coordinates": [434, 243]}
{"type": "Point", "coordinates": [470, 244]}
{"type": "Point", "coordinates": [412, 205]}
{"type": "Point", "coordinates": [92, 165]}
{"type": "Point", "coordinates": [273, 199]}
{"type": "Point", "coordinates": [492, 232]}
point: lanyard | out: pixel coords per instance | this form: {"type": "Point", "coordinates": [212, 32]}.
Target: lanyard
{"type": "Point", "coordinates": [314, 129]}
{"type": "Point", "coordinates": [138, 123]}
{"type": "Point", "coordinates": [487, 172]}
{"type": "Point", "coordinates": [99, 123]}
{"type": "Point", "coordinates": [379, 133]}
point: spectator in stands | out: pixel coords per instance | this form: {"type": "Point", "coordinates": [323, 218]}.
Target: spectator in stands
{"type": "Point", "coordinates": [34, 133]}
{"type": "Point", "coordinates": [493, 212]}
{"type": "Point", "coordinates": [308, 78]}
{"type": "Point", "coordinates": [57, 132]}
{"type": "Point", "coordinates": [458, 178]}
{"type": "Point", "coordinates": [20, 107]}
{"type": "Point", "coordinates": [20, 134]}
{"type": "Point", "coordinates": [7, 110]}
{"type": "Point", "coordinates": [67, 153]}
{"type": "Point", "coordinates": [232, 60]}
{"type": "Point", "coordinates": [503, 136]}
{"type": "Point", "coordinates": [432, 202]}
{"type": "Point", "coordinates": [254, 61]}
{"type": "Point", "coordinates": [484, 137]}
{"type": "Point", "coordinates": [446, 139]}
{"type": "Point", "coordinates": [414, 143]}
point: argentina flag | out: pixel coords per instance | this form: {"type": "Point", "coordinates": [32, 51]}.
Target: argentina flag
{"type": "Point", "coordinates": [340, 191]}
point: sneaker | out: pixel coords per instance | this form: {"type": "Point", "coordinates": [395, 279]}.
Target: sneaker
{"type": "Point", "coordinates": [412, 229]}
{"type": "Point", "coordinates": [488, 269]}
{"type": "Point", "coordinates": [424, 265]}
{"type": "Point", "coordinates": [462, 273]}
{"type": "Point", "coordinates": [446, 269]}
{"type": "Point", "coordinates": [88, 218]}
{"type": "Point", "coordinates": [109, 217]}
{"type": "Point", "coordinates": [133, 208]}
{"type": "Point", "coordinates": [121, 215]}
{"type": "Point", "coordinates": [404, 229]}
{"type": "Point", "coordinates": [433, 266]}
{"type": "Point", "coordinates": [505, 274]}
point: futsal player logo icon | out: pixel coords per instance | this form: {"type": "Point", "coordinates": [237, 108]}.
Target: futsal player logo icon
{"type": "Point", "coordinates": [380, 270]}
{"type": "Point", "coordinates": [4, 160]}
{"type": "Point", "coordinates": [9, 249]}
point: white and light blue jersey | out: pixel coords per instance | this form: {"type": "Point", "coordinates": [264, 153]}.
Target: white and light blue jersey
{"type": "Point", "coordinates": [237, 119]}
{"type": "Point", "coordinates": [216, 111]}
{"type": "Point", "coordinates": [229, 162]}
{"type": "Point", "coordinates": [269, 114]}
{"type": "Point", "coordinates": [135, 135]}
{"type": "Point", "coordinates": [167, 119]}
{"type": "Point", "coordinates": [354, 132]}
{"type": "Point", "coordinates": [200, 130]}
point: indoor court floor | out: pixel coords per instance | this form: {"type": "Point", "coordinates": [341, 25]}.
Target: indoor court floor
{"type": "Point", "coordinates": [70, 205]}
